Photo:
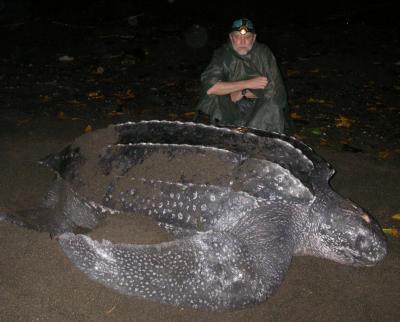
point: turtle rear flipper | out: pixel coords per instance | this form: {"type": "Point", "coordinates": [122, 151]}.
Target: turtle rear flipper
{"type": "Point", "coordinates": [62, 211]}
{"type": "Point", "coordinates": [44, 220]}
{"type": "Point", "coordinates": [74, 208]}
{"type": "Point", "coordinates": [209, 270]}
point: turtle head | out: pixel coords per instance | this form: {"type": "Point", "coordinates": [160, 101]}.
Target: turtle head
{"type": "Point", "coordinates": [344, 233]}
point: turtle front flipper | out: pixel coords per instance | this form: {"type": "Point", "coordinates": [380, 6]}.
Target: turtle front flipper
{"type": "Point", "coordinates": [210, 270]}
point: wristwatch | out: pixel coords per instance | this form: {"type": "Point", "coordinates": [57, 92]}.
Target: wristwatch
{"type": "Point", "coordinates": [244, 91]}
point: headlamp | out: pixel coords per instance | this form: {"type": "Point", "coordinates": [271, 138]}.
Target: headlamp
{"type": "Point", "coordinates": [243, 30]}
{"type": "Point", "coordinates": [243, 26]}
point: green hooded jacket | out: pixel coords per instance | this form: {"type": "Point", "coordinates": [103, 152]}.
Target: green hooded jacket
{"type": "Point", "coordinates": [271, 108]}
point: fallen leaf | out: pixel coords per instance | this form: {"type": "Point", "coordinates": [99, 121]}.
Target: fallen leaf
{"type": "Point", "coordinates": [65, 58]}
{"type": "Point", "coordinates": [73, 102]}
{"type": "Point", "coordinates": [23, 121]}
{"type": "Point", "coordinates": [292, 72]}
{"type": "Point", "coordinates": [61, 115]}
{"type": "Point", "coordinates": [302, 58]}
{"type": "Point", "coordinates": [44, 98]}
{"type": "Point", "coordinates": [329, 104]}
{"type": "Point", "coordinates": [99, 70]}
{"type": "Point", "coordinates": [371, 109]}
{"type": "Point", "coordinates": [384, 154]}
{"type": "Point", "coordinates": [76, 103]}
{"type": "Point", "coordinates": [316, 131]}
{"type": "Point", "coordinates": [345, 141]}
{"type": "Point", "coordinates": [315, 71]}
{"type": "Point", "coordinates": [313, 100]}
{"type": "Point", "coordinates": [172, 115]}
{"type": "Point", "coordinates": [295, 116]}
{"type": "Point", "coordinates": [115, 113]}
{"type": "Point", "coordinates": [144, 110]}
{"type": "Point", "coordinates": [396, 216]}
{"type": "Point", "coordinates": [343, 121]}
{"type": "Point", "coordinates": [189, 115]}
{"type": "Point", "coordinates": [299, 136]}
{"type": "Point", "coordinates": [128, 95]}
{"type": "Point", "coordinates": [323, 142]}
{"type": "Point", "coordinates": [394, 232]}
{"type": "Point", "coordinates": [88, 129]}
{"type": "Point", "coordinates": [96, 96]}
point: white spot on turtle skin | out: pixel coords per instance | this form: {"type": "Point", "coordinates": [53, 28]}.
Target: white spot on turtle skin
{"type": "Point", "coordinates": [212, 197]}
{"type": "Point", "coordinates": [171, 195]}
{"type": "Point", "coordinates": [203, 207]}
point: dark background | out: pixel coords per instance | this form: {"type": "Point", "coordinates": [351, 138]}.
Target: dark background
{"type": "Point", "coordinates": [270, 12]}
{"type": "Point", "coordinates": [337, 58]}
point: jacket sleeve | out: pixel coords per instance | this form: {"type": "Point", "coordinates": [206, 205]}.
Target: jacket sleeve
{"type": "Point", "coordinates": [275, 92]}
{"type": "Point", "coordinates": [213, 73]}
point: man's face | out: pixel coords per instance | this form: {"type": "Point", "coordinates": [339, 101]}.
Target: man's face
{"type": "Point", "coordinates": [242, 44]}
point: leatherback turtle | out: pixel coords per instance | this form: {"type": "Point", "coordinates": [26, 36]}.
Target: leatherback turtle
{"type": "Point", "coordinates": [239, 203]}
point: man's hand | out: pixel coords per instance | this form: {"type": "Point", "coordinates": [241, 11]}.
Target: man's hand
{"type": "Point", "coordinates": [236, 96]}
{"type": "Point", "coordinates": [224, 88]}
{"type": "Point", "coordinates": [260, 82]}
{"type": "Point", "coordinates": [249, 94]}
